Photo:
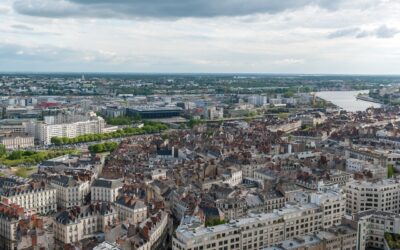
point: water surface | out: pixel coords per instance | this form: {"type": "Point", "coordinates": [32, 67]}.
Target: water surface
{"type": "Point", "coordinates": [347, 100]}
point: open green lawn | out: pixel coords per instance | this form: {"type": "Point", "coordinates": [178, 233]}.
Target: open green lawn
{"type": "Point", "coordinates": [24, 172]}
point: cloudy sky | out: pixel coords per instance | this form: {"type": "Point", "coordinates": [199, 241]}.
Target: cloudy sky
{"type": "Point", "coordinates": [262, 36]}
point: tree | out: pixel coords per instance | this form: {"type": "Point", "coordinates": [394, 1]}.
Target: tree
{"type": "Point", "coordinates": [3, 150]}
{"type": "Point", "coordinates": [391, 171]}
{"type": "Point", "coordinates": [15, 155]}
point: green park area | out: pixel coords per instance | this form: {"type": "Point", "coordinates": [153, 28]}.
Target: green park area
{"type": "Point", "coordinates": [28, 157]}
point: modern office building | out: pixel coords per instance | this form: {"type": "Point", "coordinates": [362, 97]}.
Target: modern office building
{"type": "Point", "coordinates": [382, 195]}
{"type": "Point", "coordinates": [149, 112]}
{"type": "Point", "coordinates": [257, 231]}
{"type": "Point", "coordinates": [372, 226]}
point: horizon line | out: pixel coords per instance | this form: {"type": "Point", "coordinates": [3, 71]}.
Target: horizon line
{"type": "Point", "coordinates": [194, 73]}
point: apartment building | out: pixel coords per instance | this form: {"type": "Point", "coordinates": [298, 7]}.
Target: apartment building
{"type": "Point", "coordinates": [254, 232]}
{"type": "Point", "coordinates": [39, 200]}
{"type": "Point", "coordinates": [78, 223]}
{"type": "Point", "coordinates": [151, 231]}
{"type": "Point", "coordinates": [70, 192]}
{"type": "Point", "coordinates": [258, 100]}
{"type": "Point", "coordinates": [105, 190]}
{"type": "Point", "coordinates": [10, 214]}
{"type": "Point", "coordinates": [131, 209]}
{"type": "Point", "coordinates": [44, 131]}
{"type": "Point", "coordinates": [382, 195]}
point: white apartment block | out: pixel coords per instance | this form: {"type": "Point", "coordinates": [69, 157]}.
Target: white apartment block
{"type": "Point", "coordinates": [79, 223]}
{"type": "Point", "coordinates": [130, 209]}
{"type": "Point", "coordinates": [105, 190]}
{"type": "Point", "coordinates": [383, 195]}
{"type": "Point", "coordinates": [38, 200]}
{"type": "Point", "coordinates": [44, 131]}
{"type": "Point", "coordinates": [258, 100]}
{"type": "Point", "coordinates": [257, 231]}
{"type": "Point", "coordinates": [69, 191]}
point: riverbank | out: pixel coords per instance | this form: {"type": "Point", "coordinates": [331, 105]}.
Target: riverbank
{"type": "Point", "coordinates": [368, 99]}
{"type": "Point", "coordinates": [347, 100]}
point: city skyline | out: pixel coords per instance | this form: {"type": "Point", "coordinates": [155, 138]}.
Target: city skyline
{"type": "Point", "coordinates": [294, 37]}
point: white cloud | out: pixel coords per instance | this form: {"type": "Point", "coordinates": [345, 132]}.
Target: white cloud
{"type": "Point", "coordinates": [309, 39]}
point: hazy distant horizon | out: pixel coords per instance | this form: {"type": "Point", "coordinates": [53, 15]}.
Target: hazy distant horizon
{"type": "Point", "coordinates": [189, 73]}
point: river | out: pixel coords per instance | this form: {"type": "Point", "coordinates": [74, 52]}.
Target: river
{"type": "Point", "coordinates": [347, 100]}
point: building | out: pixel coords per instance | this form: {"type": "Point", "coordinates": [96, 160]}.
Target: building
{"type": "Point", "coordinates": [78, 223]}
{"type": "Point", "coordinates": [374, 157]}
{"type": "Point", "coordinates": [332, 203]}
{"type": "Point", "coordinates": [254, 232]}
{"type": "Point", "coordinates": [13, 141]}
{"type": "Point", "coordinates": [258, 100]}
{"type": "Point", "coordinates": [18, 126]}
{"type": "Point", "coordinates": [105, 190]}
{"type": "Point", "coordinates": [45, 131]}
{"type": "Point", "coordinates": [148, 112]}
{"type": "Point", "coordinates": [213, 113]}
{"type": "Point", "coordinates": [232, 176]}
{"type": "Point", "coordinates": [159, 174]}
{"type": "Point", "coordinates": [376, 171]}
{"type": "Point", "coordinates": [106, 246]}
{"type": "Point", "coordinates": [9, 217]}
{"type": "Point", "coordinates": [312, 119]}
{"type": "Point", "coordinates": [232, 208]}
{"type": "Point", "coordinates": [40, 200]}
{"type": "Point", "coordinates": [382, 195]}
{"type": "Point", "coordinates": [151, 231]}
{"type": "Point", "coordinates": [70, 192]}
{"type": "Point", "coordinates": [339, 237]}
{"type": "Point", "coordinates": [372, 226]}
{"type": "Point", "coordinates": [113, 111]}
{"type": "Point", "coordinates": [131, 209]}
